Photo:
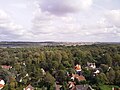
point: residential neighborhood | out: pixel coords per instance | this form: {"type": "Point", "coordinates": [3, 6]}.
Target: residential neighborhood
{"type": "Point", "coordinates": [59, 68]}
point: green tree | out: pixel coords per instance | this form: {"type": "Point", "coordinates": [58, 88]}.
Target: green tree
{"type": "Point", "coordinates": [107, 59]}
{"type": "Point", "coordinates": [117, 77]}
{"type": "Point", "coordinates": [102, 79]}
{"type": "Point", "coordinates": [49, 81]}
{"type": "Point", "coordinates": [111, 76]}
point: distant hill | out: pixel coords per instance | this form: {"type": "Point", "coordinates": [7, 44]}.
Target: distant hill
{"type": "Point", "coordinates": [34, 44]}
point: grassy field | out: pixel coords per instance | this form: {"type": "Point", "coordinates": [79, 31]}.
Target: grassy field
{"type": "Point", "coordinates": [107, 87]}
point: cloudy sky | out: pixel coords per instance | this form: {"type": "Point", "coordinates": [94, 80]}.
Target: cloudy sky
{"type": "Point", "coordinates": [60, 20]}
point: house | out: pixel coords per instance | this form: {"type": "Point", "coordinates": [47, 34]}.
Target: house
{"type": "Point", "coordinates": [24, 63]}
{"type": "Point", "coordinates": [29, 87]}
{"type": "Point", "coordinates": [91, 65]}
{"type": "Point", "coordinates": [115, 88]}
{"type": "Point", "coordinates": [79, 78]}
{"type": "Point", "coordinates": [2, 83]}
{"type": "Point", "coordinates": [6, 67]}
{"type": "Point", "coordinates": [71, 85]}
{"type": "Point", "coordinates": [83, 87]}
{"type": "Point", "coordinates": [27, 75]}
{"type": "Point", "coordinates": [109, 69]}
{"type": "Point", "coordinates": [96, 72]}
{"type": "Point", "coordinates": [43, 71]}
{"type": "Point", "coordinates": [78, 69]}
{"type": "Point", "coordinates": [58, 87]}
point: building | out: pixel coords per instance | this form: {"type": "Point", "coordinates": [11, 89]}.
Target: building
{"type": "Point", "coordinates": [2, 83]}
{"type": "Point", "coordinates": [43, 71]}
{"type": "Point", "coordinates": [91, 65]}
{"type": "Point", "coordinates": [79, 78]}
{"type": "Point", "coordinates": [71, 85]}
{"type": "Point", "coordinates": [6, 67]}
{"type": "Point", "coordinates": [29, 87]}
{"type": "Point", "coordinates": [115, 88]}
{"type": "Point", "coordinates": [83, 87]}
{"type": "Point", "coordinates": [78, 69]}
{"type": "Point", "coordinates": [58, 87]}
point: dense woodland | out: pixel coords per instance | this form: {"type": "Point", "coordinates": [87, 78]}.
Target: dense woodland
{"type": "Point", "coordinates": [56, 62]}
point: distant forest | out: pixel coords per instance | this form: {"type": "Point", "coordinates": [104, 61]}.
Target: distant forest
{"type": "Point", "coordinates": [57, 61]}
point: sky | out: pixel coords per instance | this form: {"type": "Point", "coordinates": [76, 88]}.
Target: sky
{"type": "Point", "coordinates": [60, 20]}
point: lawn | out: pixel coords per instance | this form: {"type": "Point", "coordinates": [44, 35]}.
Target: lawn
{"type": "Point", "coordinates": [105, 87]}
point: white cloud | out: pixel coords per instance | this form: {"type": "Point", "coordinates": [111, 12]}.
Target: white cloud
{"type": "Point", "coordinates": [3, 17]}
{"type": "Point", "coordinates": [113, 17]}
{"type": "Point", "coordinates": [62, 7]}
{"type": "Point", "coordinates": [62, 20]}
{"type": "Point", "coordinates": [9, 30]}
{"type": "Point", "coordinates": [53, 26]}
{"type": "Point", "coordinates": [49, 26]}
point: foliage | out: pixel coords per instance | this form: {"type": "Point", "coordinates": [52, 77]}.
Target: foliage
{"type": "Point", "coordinates": [56, 62]}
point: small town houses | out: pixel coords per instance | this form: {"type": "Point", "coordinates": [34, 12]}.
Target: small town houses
{"type": "Point", "coordinates": [7, 67]}
{"type": "Point", "coordinates": [2, 83]}
{"type": "Point", "coordinates": [71, 83]}
{"type": "Point", "coordinates": [29, 87]}
{"type": "Point", "coordinates": [77, 76]}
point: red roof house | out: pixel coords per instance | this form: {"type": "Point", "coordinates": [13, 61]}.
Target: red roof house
{"type": "Point", "coordinates": [29, 87]}
{"type": "Point", "coordinates": [80, 78]}
{"type": "Point", "coordinates": [6, 67]}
